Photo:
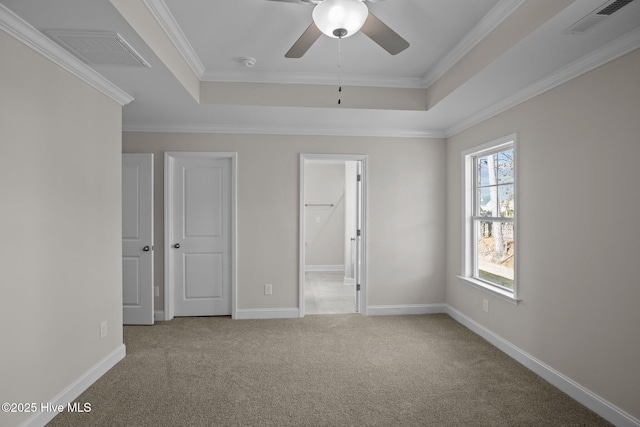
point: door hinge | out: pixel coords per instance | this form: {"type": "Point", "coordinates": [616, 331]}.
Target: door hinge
{"type": "Point", "coordinates": [359, 177]}
{"type": "Point", "coordinates": [358, 233]}
{"type": "Point", "coordinates": [358, 287]}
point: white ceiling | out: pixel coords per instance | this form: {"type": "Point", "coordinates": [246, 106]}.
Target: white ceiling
{"type": "Point", "coordinates": [221, 32]}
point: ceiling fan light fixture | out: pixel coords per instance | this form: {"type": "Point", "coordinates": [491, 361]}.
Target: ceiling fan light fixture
{"type": "Point", "coordinates": [340, 18]}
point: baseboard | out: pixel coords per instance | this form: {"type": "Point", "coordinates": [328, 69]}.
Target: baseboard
{"type": "Point", "coordinates": [158, 316]}
{"type": "Point", "coordinates": [76, 388]}
{"type": "Point", "coordinates": [589, 399]}
{"type": "Point", "coordinates": [324, 268]}
{"type": "Point", "coordinates": [267, 313]}
{"type": "Point", "coordinates": [398, 310]}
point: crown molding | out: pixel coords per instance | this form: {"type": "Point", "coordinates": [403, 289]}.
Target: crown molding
{"type": "Point", "coordinates": [270, 130]}
{"type": "Point", "coordinates": [491, 20]}
{"type": "Point", "coordinates": [615, 49]}
{"type": "Point", "coordinates": [163, 15]}
{"type": "Point", "coordinates": [254, 76]}
{"type": "Point", "coordinates": [24, 32]}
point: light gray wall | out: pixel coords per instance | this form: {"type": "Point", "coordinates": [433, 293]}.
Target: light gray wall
{"type": "Point", "coordinates": [406, 213]}
{"type": "Point", "coordinates": [60, 222]}
{"type": "Point", "coordinates": [324, 225]}
{"type": "Point", "coordinates": [579, 239]}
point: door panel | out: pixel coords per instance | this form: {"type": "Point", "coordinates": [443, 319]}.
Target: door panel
{"type": "Point", "coordinates": [137, 239]}
{"type": "Point", "coordinates": [200, 238]}
{"type": "Point", "coordinates": [131, 293]}
{"type": "Point", "coordinates": [201, 265]}
{"type": "Point", "coordinates": [203, 193]}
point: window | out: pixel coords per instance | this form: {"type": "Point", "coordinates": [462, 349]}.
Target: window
{"type": "Point", "coordinates": [489, 245]}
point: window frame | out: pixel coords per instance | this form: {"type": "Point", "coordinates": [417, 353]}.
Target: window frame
{"type": "Point", "coordinates": [469, 268]}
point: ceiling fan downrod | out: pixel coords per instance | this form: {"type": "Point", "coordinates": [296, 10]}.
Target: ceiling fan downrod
{"type": "Point", "coordinates": [339, 69]}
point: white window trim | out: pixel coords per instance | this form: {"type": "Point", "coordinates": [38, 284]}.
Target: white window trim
{"type": "Point", "coordinates": [468, 250]}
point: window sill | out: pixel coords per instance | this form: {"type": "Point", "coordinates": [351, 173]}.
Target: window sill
{"type": "Point", "coordinates": [505, 295]}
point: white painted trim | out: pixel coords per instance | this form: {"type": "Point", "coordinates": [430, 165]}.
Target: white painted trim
{"type": "Point", "coordinates": [349, 281]}
{"type": "Point", "coordinates": [234, 234]}
{"type": "Point", "coordinates": [24, 32]}
{"type": "Point", "coordinates": [586, 397]}
{"type": "Point", "coordinates": [324, 268]}
{"type": "Point", "coordinates": [255, 76]}
{"type": "Point", "coordinates": [250, 129]}
{"type": "Point", "coordinates": [601, 56]}
{"type": "Point", "coordinates": [158, 316]}
{"type": "Point", "coordinates": [163, 15]}
{"type": "Point", "coordinates": [492, 290]}
{"type": "Point", "coordinates": [267, 313]}
{"type": "Point", "coordinates": [302, 240]}
{"type": "Point", "coordinates": [491, 20]}
{"type": "Point", "coordinates": [76, 388]}
{"type": "Point", "coordinates": [406, 309]}
{"type": "Point", "coordinates": [168, 201]}
{"type": "Point", "coordinates": [363, 159]}
{"type": "Point", "coordinates": [168, 231]}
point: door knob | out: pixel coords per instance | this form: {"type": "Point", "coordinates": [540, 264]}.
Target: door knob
{"type": "Point", "coordinates": [177, 246]}
{"type": "Point", "coordinates": [146, 248]}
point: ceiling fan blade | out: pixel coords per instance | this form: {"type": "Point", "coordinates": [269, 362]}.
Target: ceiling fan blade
{"type": "Point", "coordinates": [297, 1]}
{"type": "Point", "coordinates": [380, 33]}
{"type": "Point", "coordinates": [306, 40]}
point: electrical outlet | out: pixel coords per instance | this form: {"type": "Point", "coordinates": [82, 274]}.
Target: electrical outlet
{"type": "Point", "coordinates": [156, 291]}
{"type": "Point", "coordinates": [268, 289]}
{"type": "Point", "coordinates": [485, 305]}
{"type": "Point", "coordinates": [103, 329]}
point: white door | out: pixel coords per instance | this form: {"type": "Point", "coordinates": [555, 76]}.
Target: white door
{"type": "Point", "coordinates": [199, 238]}
{"type": "Point", "coordinates": [137, 239]}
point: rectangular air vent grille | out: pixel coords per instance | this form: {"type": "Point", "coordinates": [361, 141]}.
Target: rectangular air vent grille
{"type": "Point", "coordinates": [98, 47]}
{"type": "Point", "coordinates": [600, 14]}
{"type": "Point", "coordinates": [614, 7]}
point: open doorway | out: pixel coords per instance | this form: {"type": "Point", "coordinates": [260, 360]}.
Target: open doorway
{"type": "Point", "coordinates": [332, 233]}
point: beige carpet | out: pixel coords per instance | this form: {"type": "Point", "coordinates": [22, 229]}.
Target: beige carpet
{"type": "Point", "coordinates": [337, 370]}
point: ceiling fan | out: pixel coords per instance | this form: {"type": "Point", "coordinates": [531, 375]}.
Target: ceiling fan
{"type": "Point", "coordinates": [343, 18]}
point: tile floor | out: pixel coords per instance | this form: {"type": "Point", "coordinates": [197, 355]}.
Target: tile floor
{"type": "Point", "coordinates": [326, 293]}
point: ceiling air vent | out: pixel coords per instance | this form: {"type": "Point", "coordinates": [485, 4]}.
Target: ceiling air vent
{"type": "Point", "coordinates": [614, 7]}
{"type": "Point", "coordinates": [98, 47]}
{"type": "Point", "coordinates": [600, 14]}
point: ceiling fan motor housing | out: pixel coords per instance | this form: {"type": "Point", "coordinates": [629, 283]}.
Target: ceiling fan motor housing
{"type": "Point", "coordinates": [340, 32]}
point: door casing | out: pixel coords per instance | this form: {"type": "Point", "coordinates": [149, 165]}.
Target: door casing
{"type": "Point", "coordinates": [362, 158]}
{"type": "Point", "coordinates": [169, 156]}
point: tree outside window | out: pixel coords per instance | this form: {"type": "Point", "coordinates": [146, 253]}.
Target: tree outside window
{"type": "Point", "coordinates": [493, 216]}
